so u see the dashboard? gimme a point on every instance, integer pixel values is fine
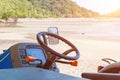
(20, 51)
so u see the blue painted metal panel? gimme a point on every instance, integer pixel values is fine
(30, 73)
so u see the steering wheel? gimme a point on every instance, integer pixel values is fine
(63, 55)
(42, 40)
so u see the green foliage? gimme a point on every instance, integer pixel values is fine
(42, 9)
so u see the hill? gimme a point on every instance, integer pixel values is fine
(42, 9)
(62, 8)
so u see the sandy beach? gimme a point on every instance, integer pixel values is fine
(101, 39)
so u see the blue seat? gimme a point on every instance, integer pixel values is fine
(5, 60)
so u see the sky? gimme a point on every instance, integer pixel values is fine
(101, 6)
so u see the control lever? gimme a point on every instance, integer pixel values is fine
(32, 59)
(73, 63)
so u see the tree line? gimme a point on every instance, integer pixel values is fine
(42, 9)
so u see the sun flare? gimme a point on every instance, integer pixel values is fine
(101, 6)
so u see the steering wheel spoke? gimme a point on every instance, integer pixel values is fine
(68, 51)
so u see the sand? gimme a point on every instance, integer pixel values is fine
(95, 39)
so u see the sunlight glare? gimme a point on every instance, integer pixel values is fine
(101, 6)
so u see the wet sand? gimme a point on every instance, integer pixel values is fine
(95, 39)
